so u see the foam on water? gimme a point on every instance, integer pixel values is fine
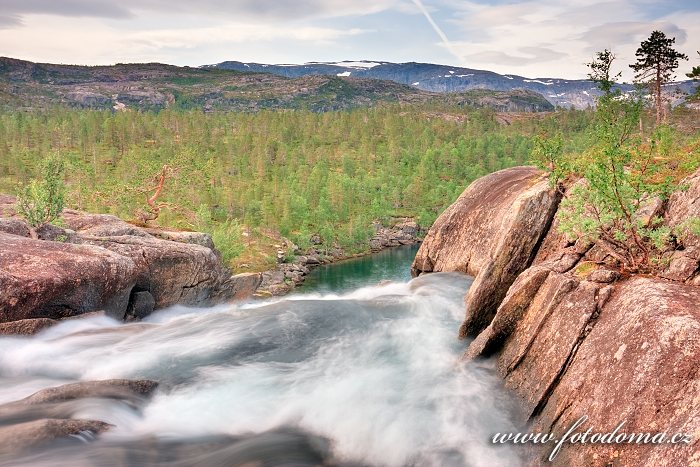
(374, 372)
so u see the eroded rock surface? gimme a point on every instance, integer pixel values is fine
(102, 263)
(491, 232)
(41, 279)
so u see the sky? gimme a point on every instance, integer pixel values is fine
(537, 38)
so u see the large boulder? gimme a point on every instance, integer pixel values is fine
(172, 272)
(42, 279)
(104, 263)
(572, 336)
(569, 347)
(490, 232)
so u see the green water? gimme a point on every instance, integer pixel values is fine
(392, 264)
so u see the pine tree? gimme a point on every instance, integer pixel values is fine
(656, 61)
(695, 75)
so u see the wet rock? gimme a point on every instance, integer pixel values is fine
(509, 313)
(568, 344)
(109, 388)
(60, 402)
(490, 232)
(25, 436)
(26, 327)
(279, 289)
(96, 263)
(244, 285)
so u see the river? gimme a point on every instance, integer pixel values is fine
(345, 372)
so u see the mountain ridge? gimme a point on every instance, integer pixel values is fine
(153, 86)
(579, 93)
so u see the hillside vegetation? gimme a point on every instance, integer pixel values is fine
(296, 172)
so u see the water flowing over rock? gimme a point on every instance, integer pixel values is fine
(24, 424)
(15, 439)
(490, 232)
(573, 337)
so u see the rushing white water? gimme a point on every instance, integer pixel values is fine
(371, 377)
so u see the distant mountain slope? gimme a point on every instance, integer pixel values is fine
(443, 78)
(26, 84)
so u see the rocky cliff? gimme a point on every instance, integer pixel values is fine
(101, 263)
(570, 336)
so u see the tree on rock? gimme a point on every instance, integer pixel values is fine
(41, 201)
(656, 61)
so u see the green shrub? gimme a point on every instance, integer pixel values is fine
(42, 200)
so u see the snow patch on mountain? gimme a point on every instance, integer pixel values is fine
(537, 81)
(349, 64)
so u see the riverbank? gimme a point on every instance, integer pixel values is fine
(288, 275)
(98, 262)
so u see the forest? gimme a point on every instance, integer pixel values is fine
(238, 175)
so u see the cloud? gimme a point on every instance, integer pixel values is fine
(75, 8)
(628, 32)
(108, 43)
(443, 37)
(552, 38)
(534, 38)
(249, 9)
(529, 55)
(9, 22)
(235, 33)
